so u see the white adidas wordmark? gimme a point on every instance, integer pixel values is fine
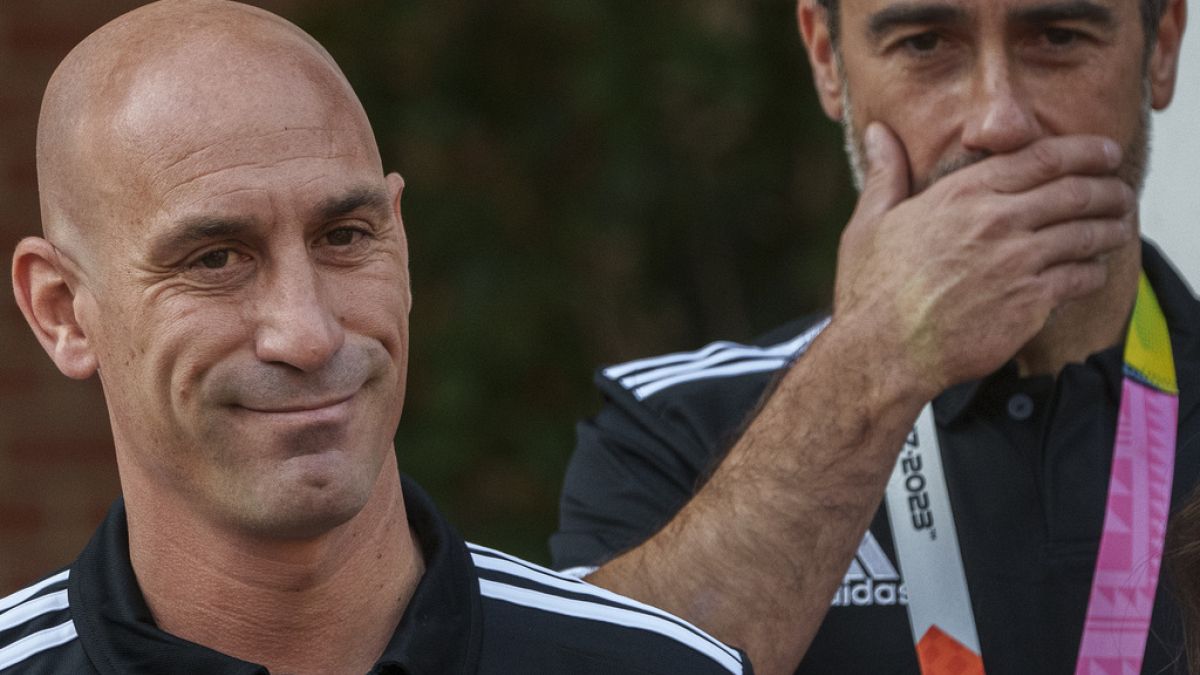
(871, 580)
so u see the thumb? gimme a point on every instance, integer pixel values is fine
(886, 183)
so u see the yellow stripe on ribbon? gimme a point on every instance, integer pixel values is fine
(1148, 347)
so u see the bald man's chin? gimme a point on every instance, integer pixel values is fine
(306, 496)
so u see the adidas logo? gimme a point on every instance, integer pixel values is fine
(871, 580)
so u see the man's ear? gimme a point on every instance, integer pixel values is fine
(46, 295)
(395, 183)
(1164, 60)
(822, 56)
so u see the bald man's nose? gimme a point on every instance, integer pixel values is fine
(999, 113)
(297, 325)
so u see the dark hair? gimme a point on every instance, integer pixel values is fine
(1181, 567)
(1151, 11)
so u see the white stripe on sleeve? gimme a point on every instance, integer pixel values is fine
(28, 611)
(762, 365)
(615, 372)
(784, 350)
(35, 643)
(26, 593)
(608, 614)
(519, 568)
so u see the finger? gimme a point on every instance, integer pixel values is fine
(1070, 198)
(1079, 241)
(886, 183)
(1073, 280)
(1049, 158)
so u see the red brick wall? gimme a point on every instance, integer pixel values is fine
(57, 474)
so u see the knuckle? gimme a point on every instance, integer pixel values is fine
(1128, 196)
(1077, 194)
(993, 221)
(1046, 161)
(1086, 240)
(955, 188)
(1081, 279)
(1119, 197)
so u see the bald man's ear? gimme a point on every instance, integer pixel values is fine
(395, 183)
(47, 299)
(822, 56)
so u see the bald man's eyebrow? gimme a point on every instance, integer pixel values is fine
(190, 231)
(370, 199)
(193, 230)
(913, 14)
(1072, 10)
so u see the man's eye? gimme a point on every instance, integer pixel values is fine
(923, 43)
(1061, 37)
(343, 236)
(215, 260)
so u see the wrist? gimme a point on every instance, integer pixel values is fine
(868, 353)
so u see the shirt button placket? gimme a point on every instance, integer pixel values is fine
(1020, 407)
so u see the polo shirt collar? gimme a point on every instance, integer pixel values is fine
(440, 631)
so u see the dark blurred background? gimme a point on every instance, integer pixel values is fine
(588, 181)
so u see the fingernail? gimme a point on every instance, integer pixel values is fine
(871, 141)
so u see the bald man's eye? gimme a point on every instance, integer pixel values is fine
(349, 242)
(215, 260)
(217, 264)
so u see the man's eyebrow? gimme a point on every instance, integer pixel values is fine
(197, 229)
(913, 14)
(192, 230)
(371, 199)
(1070, 10)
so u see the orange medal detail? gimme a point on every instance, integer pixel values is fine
(941, 654)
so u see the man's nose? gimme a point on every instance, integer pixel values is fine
(297, 325)
(1000, 114)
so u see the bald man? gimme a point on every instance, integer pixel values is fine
(223, 249)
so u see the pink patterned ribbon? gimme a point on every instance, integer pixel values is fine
(1131, 545)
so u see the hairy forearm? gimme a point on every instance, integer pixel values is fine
(792, 500)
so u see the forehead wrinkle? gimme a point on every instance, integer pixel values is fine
(197, 165)
(191, 207)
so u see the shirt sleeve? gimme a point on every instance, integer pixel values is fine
(666, 424)
(622, 484)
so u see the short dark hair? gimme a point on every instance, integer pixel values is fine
(1151, 10)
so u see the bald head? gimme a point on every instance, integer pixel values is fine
(133, 104)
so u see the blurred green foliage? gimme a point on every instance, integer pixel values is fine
(588, 181)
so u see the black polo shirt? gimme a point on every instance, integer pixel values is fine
(1027, 462)
(475, 610)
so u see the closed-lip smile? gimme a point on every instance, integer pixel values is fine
(298, 407)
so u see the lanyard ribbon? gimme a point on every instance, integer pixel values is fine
(1131, 545)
